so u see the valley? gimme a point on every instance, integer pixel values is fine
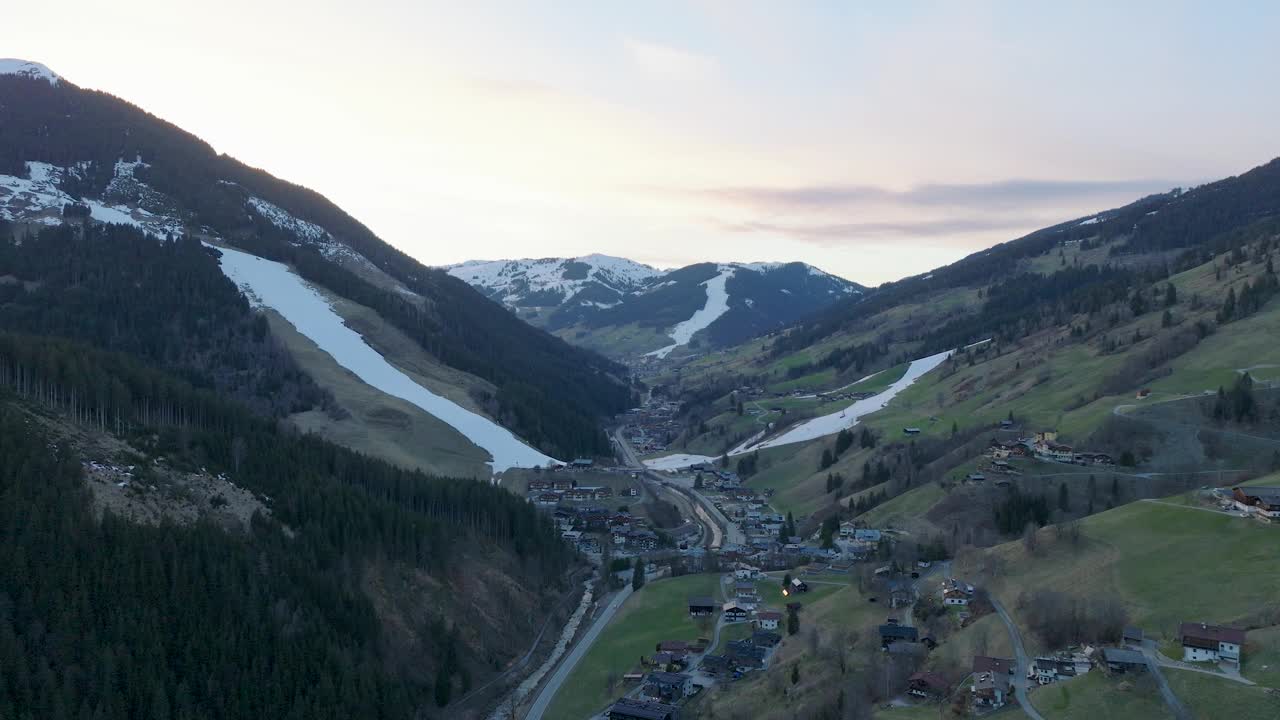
(257, 461)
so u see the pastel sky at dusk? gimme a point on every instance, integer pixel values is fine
(874, 140)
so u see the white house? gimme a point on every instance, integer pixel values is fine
(955, 597)
(768, 620)
(1210, 643)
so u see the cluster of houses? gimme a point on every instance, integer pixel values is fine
(715, 478)
(992, 679)
(652, 427)
(588, 526)
(549, 492)
(1043, 445)
(630, 709)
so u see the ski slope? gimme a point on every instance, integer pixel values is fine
(271, 284)
(717, 304)
(820, 426)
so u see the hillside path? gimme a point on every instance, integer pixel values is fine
(1190, 507)
(1020, 655)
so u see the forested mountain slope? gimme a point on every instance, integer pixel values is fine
(99, 157)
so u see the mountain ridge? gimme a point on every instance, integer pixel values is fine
(587, 299)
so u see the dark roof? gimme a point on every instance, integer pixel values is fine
(702, 602)
(898, 631)
(1133, 632)
(1215, 633)
(982, 663)
(668, 678)
(931, 679)
(769, 615)
(642, 710)
(1121, 655)
(764, 637)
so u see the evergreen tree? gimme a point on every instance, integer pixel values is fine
(637, 575)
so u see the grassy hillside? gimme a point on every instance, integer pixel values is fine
(1167, 564)
(659, 611)
(1098, 697)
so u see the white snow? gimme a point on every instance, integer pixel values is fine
(825, 425)
(1090, 221)
(14, 66)
(847, 418)
(717, 304)
(111, 214)
(271, 284)
(676, 462)
(514, 278)
(34, 199)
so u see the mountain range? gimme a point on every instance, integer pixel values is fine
(628, 310)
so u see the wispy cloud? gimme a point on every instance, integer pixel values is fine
(998, 195)
(959, 230)
(666, 60)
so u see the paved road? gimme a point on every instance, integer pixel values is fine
(1170, 699)
(713, 530)
(1166, 661)
(571, 660)
(1193, 507)
(1020, 654)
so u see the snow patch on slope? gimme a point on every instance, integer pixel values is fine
(271, 284)
(36, 198)
(510, 279)
(820, 426)
(26, 68)
(717, 305)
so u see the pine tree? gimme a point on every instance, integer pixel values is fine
(637, 575)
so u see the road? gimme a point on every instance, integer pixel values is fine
(579, 650)
(1020, 654)
(1170, 699)
(691, 502)
(1192, 507)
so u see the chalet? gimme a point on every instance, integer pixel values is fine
(580, 494)
(1120, 660)
(929, 685)
(765, 639)
(798, 586)
(733, 612)
(664, 660)
(539, 485)
(678, 648)
(1000, 667)
(988, 691)
(768, 620)
(1056, 452)
(629, 709)
(745, 589)
(901, 593)
(746, 573)
(668, 686)
(548, 499)
(890, 634)
(1210, 643)
(715, 665)
(866, 535)
(563, 484)
(955, 597)
(643, 540)
(1052, 668)
(975, 478)
(747, 602)
(746, 649)
(911, 431)
(1265, 501)
(701, 606)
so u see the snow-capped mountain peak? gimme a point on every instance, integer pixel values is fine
(724, 302)
(26, 68)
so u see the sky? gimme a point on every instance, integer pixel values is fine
(873, 140)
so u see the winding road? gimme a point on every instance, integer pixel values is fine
(1020, 654)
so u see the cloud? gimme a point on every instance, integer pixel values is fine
(666, 60)
(960, 231)
(998, 195)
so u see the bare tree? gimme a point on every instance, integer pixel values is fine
(1030, 540)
